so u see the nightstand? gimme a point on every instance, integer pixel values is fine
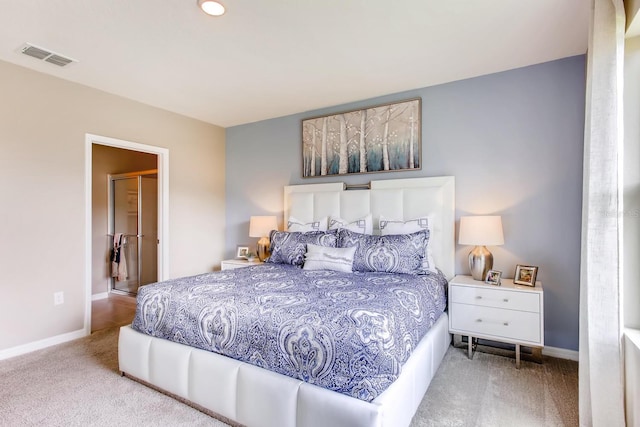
(230, 264)
(508, 313)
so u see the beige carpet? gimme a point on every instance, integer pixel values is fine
(78, 384)
(489, 391)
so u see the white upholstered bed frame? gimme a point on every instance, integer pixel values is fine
(253, 396)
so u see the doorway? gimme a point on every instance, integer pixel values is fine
(133, 230)
(98, 224)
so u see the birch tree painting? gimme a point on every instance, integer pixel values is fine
(377, 139)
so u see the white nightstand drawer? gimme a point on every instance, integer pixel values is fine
(487, 321)
(495, 297)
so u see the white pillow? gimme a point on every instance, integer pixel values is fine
(325, 258)
(390, 226)
(362, 225)
(293, 225)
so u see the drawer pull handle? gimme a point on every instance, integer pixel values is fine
(478, 297)
(478, 320)
(506, 323)
(506, 300)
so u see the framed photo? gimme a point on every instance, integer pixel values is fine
(242, 252)
(381, 138)
(493, 277)
(525, 275)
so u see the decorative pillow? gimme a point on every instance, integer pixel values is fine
(293, 225)
(363, 225)
(324, 258)
(390, 227)
(401, 253)
(289, 248)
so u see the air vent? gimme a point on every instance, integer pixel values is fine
(46, 55)
(59, 60)
(35, 52)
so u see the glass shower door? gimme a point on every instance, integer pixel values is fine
(125, 224)
(148, 214)
(134, 262)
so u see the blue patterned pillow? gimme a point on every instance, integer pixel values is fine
(290, 247)
(388, 254)
(390, 226)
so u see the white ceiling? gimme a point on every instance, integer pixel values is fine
(270, 58)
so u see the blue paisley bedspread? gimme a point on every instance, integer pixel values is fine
(346, 332)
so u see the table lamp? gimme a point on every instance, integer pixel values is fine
(261, 226)
(480, 231)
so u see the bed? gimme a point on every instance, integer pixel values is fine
(251, 395)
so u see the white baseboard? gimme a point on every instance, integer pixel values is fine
(561, 353)
(103, 295)
(38, 345)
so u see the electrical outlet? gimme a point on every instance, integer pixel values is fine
(58, 298)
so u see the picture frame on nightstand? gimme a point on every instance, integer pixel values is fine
(525, 275)
(493, 277)
(242, 252)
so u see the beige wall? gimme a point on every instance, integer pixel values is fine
(108, 160)
(43, 122)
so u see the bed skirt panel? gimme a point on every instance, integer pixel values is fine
(256, 397)
(402, 398)
(212, 383)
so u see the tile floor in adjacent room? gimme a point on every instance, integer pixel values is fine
(116, 310)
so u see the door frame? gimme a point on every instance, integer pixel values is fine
(163, 209)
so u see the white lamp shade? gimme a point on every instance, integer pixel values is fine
(481, 231)
(261, 226)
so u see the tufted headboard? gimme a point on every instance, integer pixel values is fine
(399, 199)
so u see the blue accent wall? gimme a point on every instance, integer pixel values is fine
(513, 140)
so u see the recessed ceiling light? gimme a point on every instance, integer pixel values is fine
(210, 7)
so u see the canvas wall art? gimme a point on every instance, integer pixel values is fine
(382, 138)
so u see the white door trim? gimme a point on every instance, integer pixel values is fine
(163, 209)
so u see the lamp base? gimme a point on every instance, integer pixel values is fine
(262, 248)
(480, 262)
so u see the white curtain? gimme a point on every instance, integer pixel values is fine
(601, 366)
